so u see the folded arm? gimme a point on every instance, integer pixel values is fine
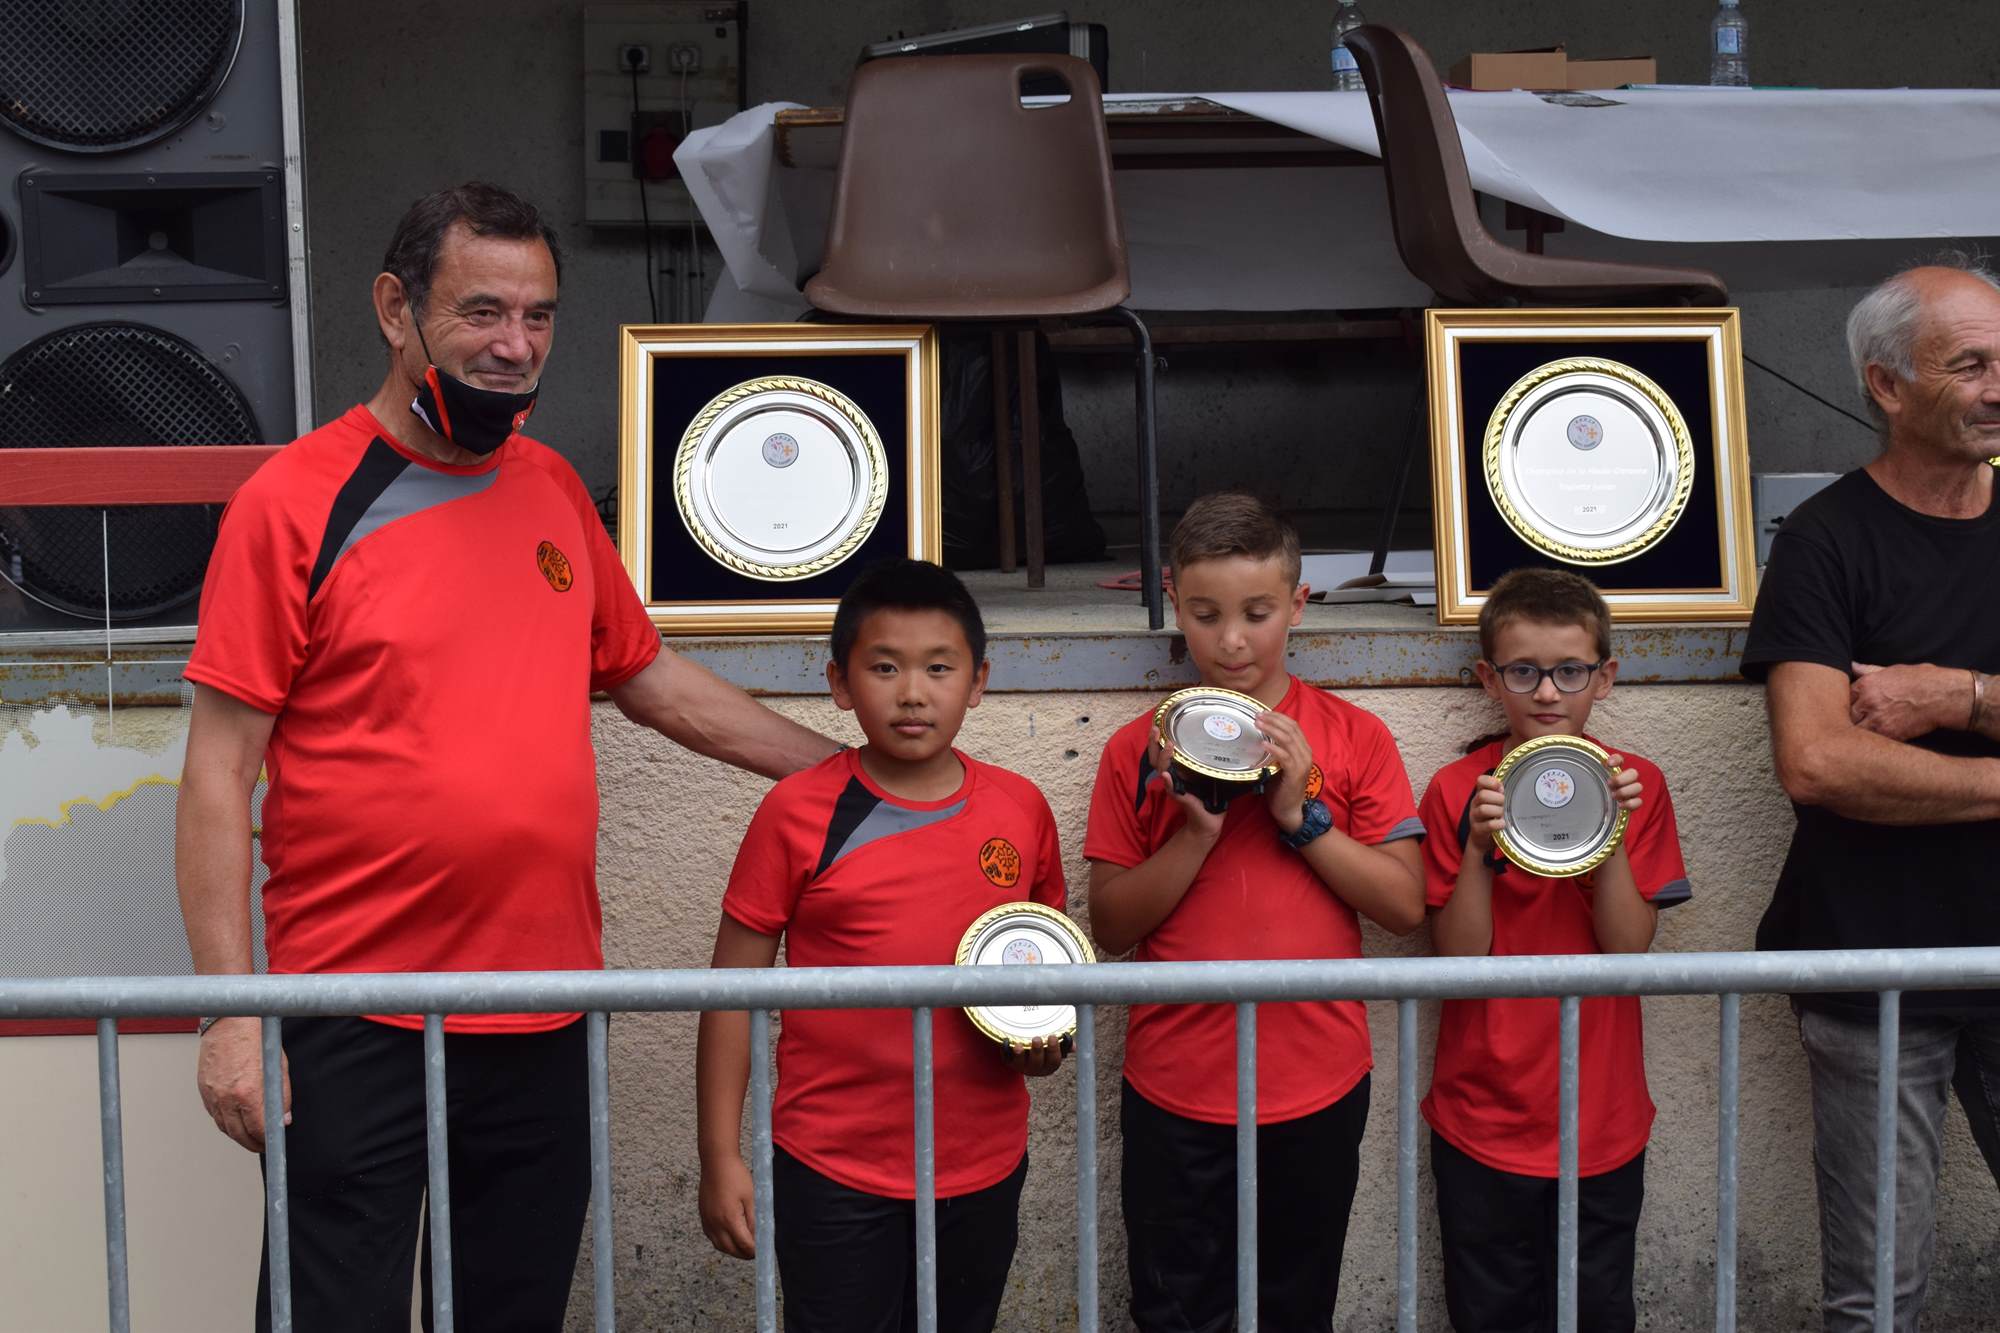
(1824, 758)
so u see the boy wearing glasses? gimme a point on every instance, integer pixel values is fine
(1493, 1108)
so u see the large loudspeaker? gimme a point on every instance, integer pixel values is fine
(146, 276)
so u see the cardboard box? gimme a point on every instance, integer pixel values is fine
(1612, 72)
(1497, 71)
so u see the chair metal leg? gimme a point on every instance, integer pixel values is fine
(1412, 434)
(1003, 459)
(1027, 375)
(1149, 469)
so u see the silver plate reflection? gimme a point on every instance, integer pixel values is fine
(781, 479)
(1589, 461)
(1557, 805)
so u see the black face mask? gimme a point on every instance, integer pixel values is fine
(476, 420)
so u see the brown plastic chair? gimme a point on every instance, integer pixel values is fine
(1446, 246)
(953, 201)
(1436, 219)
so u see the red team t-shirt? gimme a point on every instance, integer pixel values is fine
(852, 876)
(1253, 898)
(1495, 1091)
(427, 637)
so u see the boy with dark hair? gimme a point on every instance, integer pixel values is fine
(1545, 644)
(1276, 876)
(881, 855)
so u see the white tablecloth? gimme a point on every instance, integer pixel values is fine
(1773, 188)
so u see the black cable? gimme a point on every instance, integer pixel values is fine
(1858, 420)
(645, 217)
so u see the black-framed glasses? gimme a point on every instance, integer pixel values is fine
(1526, 677)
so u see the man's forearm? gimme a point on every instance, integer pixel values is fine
(692, 706)
(1864, 776)
(212, 871)
(721, 1075)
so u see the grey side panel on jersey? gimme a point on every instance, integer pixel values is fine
(415, 490)
(886, 820)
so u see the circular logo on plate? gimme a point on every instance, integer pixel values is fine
(1222, 728)
(1554, 787)
(1000, 863)
(1586, 432)
(1021, 951)
(780, 450)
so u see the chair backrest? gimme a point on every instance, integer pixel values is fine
(1431, 203)
(954, 200)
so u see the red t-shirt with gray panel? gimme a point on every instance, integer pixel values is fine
(427, 638)
(851, 876)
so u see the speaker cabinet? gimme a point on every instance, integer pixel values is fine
(146, 277)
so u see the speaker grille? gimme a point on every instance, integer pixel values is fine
(92, 76)
(114, 384)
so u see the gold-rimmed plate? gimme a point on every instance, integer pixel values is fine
(1588, 460)
(780, 478)
(1023, 933)
(1561, 815)
(1218, 750)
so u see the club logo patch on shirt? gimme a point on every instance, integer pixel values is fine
(1315, 783)
(1000, 863)
(555, 567)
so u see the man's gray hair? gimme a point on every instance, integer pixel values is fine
(1882, 328)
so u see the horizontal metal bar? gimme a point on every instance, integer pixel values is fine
(941, 987)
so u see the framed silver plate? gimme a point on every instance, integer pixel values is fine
(781, 478)
(1588, 460)
(1016, 933)
(1218, 752)
(1560, 814)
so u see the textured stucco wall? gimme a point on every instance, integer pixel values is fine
(670, 829)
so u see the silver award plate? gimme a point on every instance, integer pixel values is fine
(781, 478)
(1218, 752)
(1560, 815)
(1016, 933)
(1588, 461)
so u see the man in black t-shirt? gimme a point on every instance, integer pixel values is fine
(1878, 638)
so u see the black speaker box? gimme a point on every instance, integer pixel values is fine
(144, 288)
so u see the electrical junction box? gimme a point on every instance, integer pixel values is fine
(684, 61)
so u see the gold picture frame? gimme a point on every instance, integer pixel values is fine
(1662, 522)
(875, 388)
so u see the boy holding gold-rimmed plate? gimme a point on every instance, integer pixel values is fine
(1545, 658)
(1284, 872)
(883, 854)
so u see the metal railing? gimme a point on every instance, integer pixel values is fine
(922, 989)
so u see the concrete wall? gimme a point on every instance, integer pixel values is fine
(402, 98)
(670, 830)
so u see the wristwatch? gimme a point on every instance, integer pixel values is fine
(1315, 820)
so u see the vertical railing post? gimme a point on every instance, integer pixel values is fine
(436, 1144)
(277, 1207)
(112, 1124)
(1086, 1169)
(1406, 1166)
(760, 1170)
(1889, 1024)
(1246, 1168)
(1728, 1083)
(927, 1274)
(1566, 1186)
(603, 1264)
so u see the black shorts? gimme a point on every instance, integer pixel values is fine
(1178, 1181)
(1499, 1236)
(848, 1259)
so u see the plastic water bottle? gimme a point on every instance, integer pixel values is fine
(1728, 45)
(1346, 74)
